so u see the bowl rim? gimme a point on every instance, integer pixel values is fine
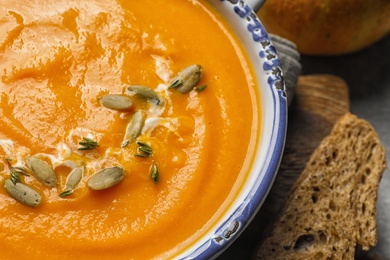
(264, 60)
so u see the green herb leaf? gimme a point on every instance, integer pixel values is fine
(16, 171)
(88, 144)
(66, 193)
(21, 170)
(125, 143)
(143, 144)
(176, 83)
(201, 88)
(15, 178)
(144, 150)
(142, 155)
(154, 173)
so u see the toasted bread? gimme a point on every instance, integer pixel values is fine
(332, 207)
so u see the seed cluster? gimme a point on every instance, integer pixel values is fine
(185, 81)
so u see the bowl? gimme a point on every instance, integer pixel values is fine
(166, 172)
(263, 56)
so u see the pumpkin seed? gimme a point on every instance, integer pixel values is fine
(188, 78)
(42, 171)
(23, 193)
(116, 102)
(106, 178)
(73, 178)
(133, 129)
(147, 93)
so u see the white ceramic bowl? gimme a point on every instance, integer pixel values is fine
(273, 101)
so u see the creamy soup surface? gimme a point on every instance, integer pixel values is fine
(57, 60)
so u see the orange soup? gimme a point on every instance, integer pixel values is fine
(181, 170)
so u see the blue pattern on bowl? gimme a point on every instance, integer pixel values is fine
(234, 224)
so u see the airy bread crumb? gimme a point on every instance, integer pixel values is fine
(332, 206)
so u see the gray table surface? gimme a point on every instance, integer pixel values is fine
(367, 74)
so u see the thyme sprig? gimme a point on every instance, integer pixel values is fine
(16, 171)
(201, 88)
(66, 193)
(88, 144)
(144, 150)
(176, 83)
(154, 173)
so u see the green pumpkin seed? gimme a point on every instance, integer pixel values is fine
(42, 171)
(116, 102)
(187, 79)
(23, 193)
(133, 129)
(106, 178)
(147, 93)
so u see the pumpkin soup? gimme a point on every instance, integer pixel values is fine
(126, 127)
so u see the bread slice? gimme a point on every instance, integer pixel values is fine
(332, 206)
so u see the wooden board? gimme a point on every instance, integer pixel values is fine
(319, 101)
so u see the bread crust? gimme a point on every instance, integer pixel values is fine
(332, 206)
